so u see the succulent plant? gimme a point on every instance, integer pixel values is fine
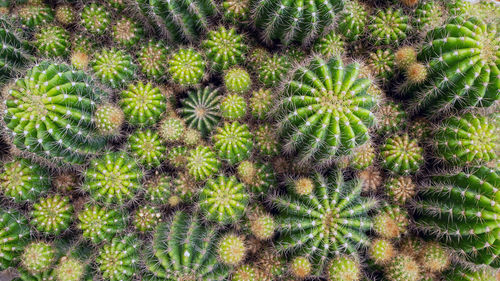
(147, 148)
(330, 45)
(332, 218)
(177, 156)
(257, 56)
(245, 273)
(69, 269)
(466, 274)
(38, 256)
(52, 215)
(405, 56)
(237, 80)
(389, 26)
(344, 268)
(224, 48)
(53, 41)
(34, 15)
(271, 70)
(291, 22)
(143, 104)
(14, 54)
(381, 63)
(402, 268)
(23, 180)
(126, 32)
(109, 119)
(171, 129)
(191, 137)
(146, 218)
(257, 177)
(261, 223)
(153, 58)
(118, 259)
(202, 163)
(325, 111)
(391, 117)
(381, 251)
(113, 67)
(231, 249)
(301, 267)
(429, 15)
(460, 210)
(195, 246)
(434, 257)
(65, 14)
(401, 189)
(200, 109)
(467, 140)
(391, 221)
(95, 18)
(261, 103)
(223, 199)
(363, 156)
(233, 142)
(59, 115)
(14, 234)
(353, 20)
(100, 223)
(113, 178)
(236, 10)
(159, 190)
(371, 179)
(186, 67)
(401, 155)
(266, 141)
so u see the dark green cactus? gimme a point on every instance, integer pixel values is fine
(14, 52)
(388, 26)
(353, 20)
(381, 63)
(330, 45)
(429, 15)
(200, 109)
(14, 235)
(271, 70)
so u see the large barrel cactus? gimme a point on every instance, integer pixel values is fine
(14, 52)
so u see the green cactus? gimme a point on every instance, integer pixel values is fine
(202, 163)
(353, 20)
(344, 268)
(64, 14)
(153, 58)
(381, 63)
(191, 137)
(391, 117)
(429, 15)
(388, 26)
(332, 218)
(325, 111)
(53, 41)
(177, 156)
(401, 189)
(223, 199)
(95, 19)
(159, 190)
(113, 178)
(381, 251)
(434, 257)
(200, 109)
(38, 257)
(184, 249)
(245, 273)
(171, 129)
(70, 269)
(113, 67)
(14, 235)
(402, 268)
(224, 48)
(118, 259)
(405, 56)
(79, 60)
(271, 70)
(23, 180)
(233, 142)
(363, 156)
(100, 223)
(14, 54)
(466, 274)
(257, 56)
(34, 15)
(461, 210)
(237, 80)
(185, 187)
(126, 32)
(147, 148)
(109, 119)
(257, 177)
(186, 67)
(233, 107)
(143, 104)
(301, 267)
(57, 103)
(52, 215)
(232, 249)
(236, 10)
(146, 218)
(391, 222)
(266, 141)
(454, 82)
(467, 140)
(330, 45)
(261, 103)
(401, 155)
(294, 22)
(261, 223)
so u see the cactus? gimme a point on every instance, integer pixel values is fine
(388, 26)
(79, 60)
(146, 218)
(109, 119)
(59, 103)
(233, 107)
(237, 80)
(200, 109)
(344, 268)
(402, 268)
(202, 163)
(143, 104)
(14, 54)
(461, 210)
(100, 223)
(262, 224)
(22, 180)
(434, 257)
(64, 14)
(400, 189)
(236, 10)
(171, 129)
(266, 141)
(159, 190)
(391, 117)
(95, 19)
(257, 56)
(330, 45)
(381, 63)
(232, 249)
(233, 142)
(70, 269)
(153, 59)
(401, 155)
(186, 67)
(52, 215)
(371, 179)
(363, 156)
(353, 20)
(416, 73)
(455, 82)
(317, 224)
(429, 15)
(223, 199)
(381, 251)
(301, 267)
(177, 156)
(465, 274)
(35, 15)
(118, 259)
(467, 140)
(271, 70)
(315, 101)
(126, 32)
(261, 103)
(191, 137)
(113, 67)
(391, 222)
(224, 48)
(113, 178)
(38, 257)
(147, 148)
(258, 178)
(290, 22)
(14, 234)
(53, 41)
(185, 187)
(245, 273)
(194, 246)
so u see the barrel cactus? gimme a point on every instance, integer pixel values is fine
(53, 41)
(109, 119)
(22, 180)
(200, 109)
(353, 20)
(224, 48)
(147, 148)
(233, 107)
(126, 32)
(237, 80)
(14, 54)
(52, 214)
(152, 59)
(202, 163)
(95, 18)
(113, 67)
(14, 234)
(388, 26)
(344, 268)
(186, 67)
(38, 257)
(401, 155)
(34, 15)
(118, 259)
(100, 223)
(233, 142)
(272, 69)
(143, 104)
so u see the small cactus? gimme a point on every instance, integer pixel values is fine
(434, 257)
(261, 103)
(330, 45)
(300, 267)
(177, 156)
(233, 107)
(232, 249)
(236, 10)
(401, 155)
(233, 142)
(388, 26)
(262, 224)
(159, 190)
(38, 257)
(344, 268)
(391, 222)
(401, 189)
(118, 259)
(429, 15)
(381, 63)
(405, 56)
(258, 178)
(95, 19)
(245, 273)
(14, 234)
(200, 109)
(363, 156)
(266, 141)
(171, 129)
(371, 179)
(100, 223)
(391, 117)
(271, 70)
(237, 80)
(353, 20)
(53, 41)
(146, 218)
(186, 67)
(224, 48)
(52, 215)
(147, 148)
(22, 180)
(64, 14)
(152, 59)
(402, 268)
(381, 251)
(143, 104)
(202, 163)
(113, 67)
(126, 32)
(34, 15)
(70, 269)
(109, 119)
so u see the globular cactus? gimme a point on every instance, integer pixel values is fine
(147, 148)
(100, 223)
(14, 54)
(391, 117)
(233, 142)
(261, 223)
(52, 214)
(114, 178)
(161, 190)
(70, 269)
(177, 156)
(402, 268)
(195, 248)
(186, 67)
(271, 70)
(186, 187)
(237, 80)
(466, 274)
(330, 45)
(381, 63)
(325, 111)
(429, 15)
(95, 19)
(126, 32)
(109, 119)
(34, 15)
(38, 257)
(391, 222)
(344, 268)
(388, 26)
(118, 259)
(294, 22)
(202, 163)
(401, 189)
(245, 273)
(266, 141)
(353, 20)
(153, 58)
(65, 14)
(455, 82)
(261, 103)
(224, 48)
(318, 223)
(461, 211)
(171, 129)
(146, 218)
(232, 249)
(381, 251)
(257, 56)
(258, 177)
(14, 234)
(301, 267)
(143, 104)
(53, 41)
(223, 199)
(200, 109)
(113, 67)
(57, 104)
(363, 156)
(371, 179)
(467, 140)
(401, 155)
(233, 107)
(434, 257)
(236, 10)
(22, 180)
